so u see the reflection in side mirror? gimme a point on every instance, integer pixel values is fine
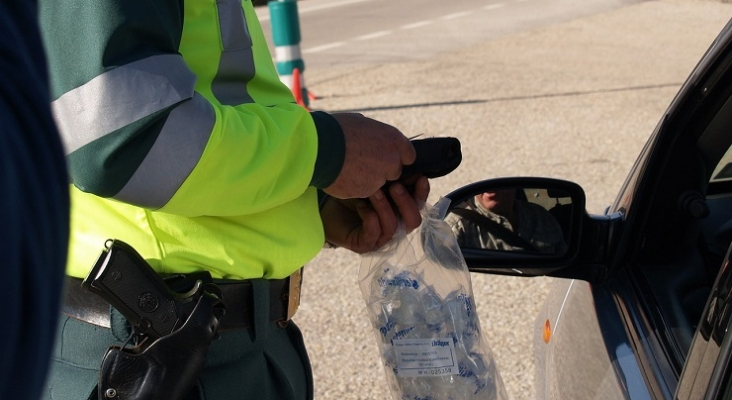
(516, 219)
(522, 225)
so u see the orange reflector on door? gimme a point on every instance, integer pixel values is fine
(547, 334)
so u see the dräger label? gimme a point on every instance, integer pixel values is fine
(425, 357)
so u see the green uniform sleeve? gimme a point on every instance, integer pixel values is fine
(177, 108)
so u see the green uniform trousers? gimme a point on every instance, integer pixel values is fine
(260, 363)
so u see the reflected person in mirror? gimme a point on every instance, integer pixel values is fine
(502, 220)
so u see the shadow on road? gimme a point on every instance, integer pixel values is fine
(510, 98)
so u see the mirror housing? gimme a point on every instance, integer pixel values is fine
(540, 234)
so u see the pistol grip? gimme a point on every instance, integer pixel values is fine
(122, 277)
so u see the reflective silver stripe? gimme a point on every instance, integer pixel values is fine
(171, 159)
(236, 67)
(121, 96)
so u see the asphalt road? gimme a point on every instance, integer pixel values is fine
(350, 33)
(572, 96)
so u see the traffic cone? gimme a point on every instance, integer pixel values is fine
(297, 89)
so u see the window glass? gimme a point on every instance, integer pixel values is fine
(723, 171)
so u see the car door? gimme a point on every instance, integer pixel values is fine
(626, 321)
(676, 207)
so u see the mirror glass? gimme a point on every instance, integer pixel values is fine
(533, 220)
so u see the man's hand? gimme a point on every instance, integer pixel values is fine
(363, 226)
(375, 154)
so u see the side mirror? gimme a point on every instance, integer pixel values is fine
(518, 226)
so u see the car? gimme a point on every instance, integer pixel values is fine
(643, 311)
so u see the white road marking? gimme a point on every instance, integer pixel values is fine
(416, 25)
(456, 15)
(374, 35)
(385, 33)
(494, 6)
(324, 47)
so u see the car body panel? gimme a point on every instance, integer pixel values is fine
(587, 371)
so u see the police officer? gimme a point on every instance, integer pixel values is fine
(182, 142)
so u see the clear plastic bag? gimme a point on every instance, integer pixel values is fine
(420, 303)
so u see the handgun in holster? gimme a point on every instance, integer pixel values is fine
(174, 319)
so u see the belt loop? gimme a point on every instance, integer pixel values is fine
(260, 311)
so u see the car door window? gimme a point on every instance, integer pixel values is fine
(723, 171)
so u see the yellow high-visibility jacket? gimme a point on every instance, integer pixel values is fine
(182, 141)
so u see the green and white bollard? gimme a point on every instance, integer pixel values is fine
(285, 25)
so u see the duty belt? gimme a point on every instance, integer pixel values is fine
(284, 301)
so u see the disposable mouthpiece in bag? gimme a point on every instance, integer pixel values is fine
(420, 303)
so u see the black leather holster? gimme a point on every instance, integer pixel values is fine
(168, 367)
